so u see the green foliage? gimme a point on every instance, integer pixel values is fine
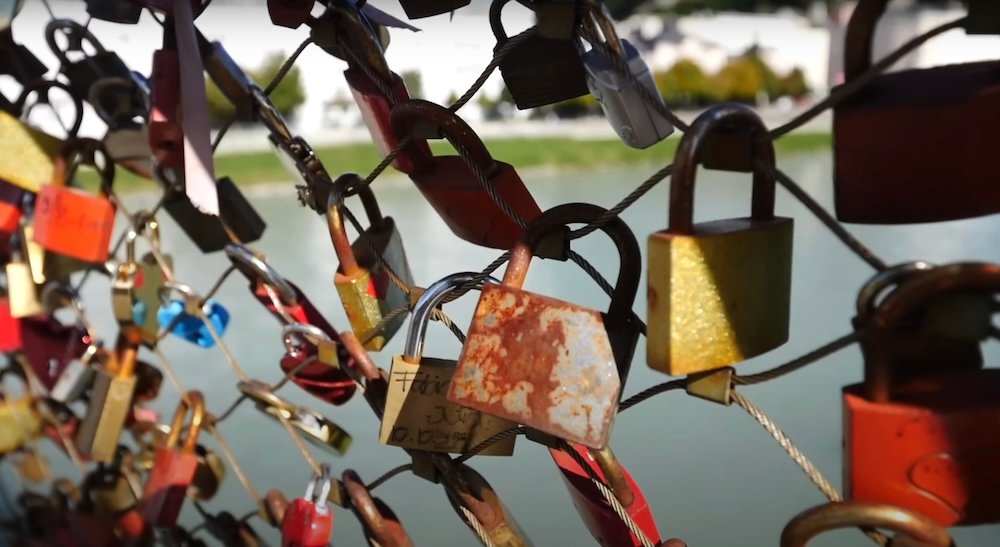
(794, 84)
(575, 108)
(685, 85)
(414, 82)
(770, 83)
(287, 97)
(740, 81)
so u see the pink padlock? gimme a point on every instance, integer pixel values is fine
(308, 520)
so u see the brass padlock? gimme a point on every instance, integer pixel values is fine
(123, 284)
(314, 427)
(719, 292)
(22, 292)
(417, 413)
(363, 284)
(27, 157)
(154, 272)
(115, 487)
(19, 421)
(110, 400)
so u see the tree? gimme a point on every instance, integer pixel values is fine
(414, 82)
(794, 84)
(685, 85)
(287, 97)
(740, 80)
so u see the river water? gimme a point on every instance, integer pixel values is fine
(712, 475)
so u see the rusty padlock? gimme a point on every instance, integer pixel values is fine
(549, 364)
(890, 164)
(913, 528)
(379, 523)
(175, 465)
(719, 292)
(451, 185)
(924, 442)
(70, 221)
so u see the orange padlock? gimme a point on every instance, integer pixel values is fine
(925, 442)
(70, 221)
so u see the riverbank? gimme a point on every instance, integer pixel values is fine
(554, 153)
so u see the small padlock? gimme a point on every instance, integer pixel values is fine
(151, 277)
(540, 70)
(308, 521)
(190, 318)
(122, 12)
(562, 364)
(10, 328)
(912, 528)
(70, 221)
(418, 9)
(922, 442)
(209, 233)
(719, 292)
(28, 154)
(323, 377)
(22, 292)
(315, 428)
(883, 148)
(379, 523)
(363, 284)
(112, 488)
(123, 284)
(601, 520)
(175, 466)
(451, 185)
(84, 72)
(110, 400)
(417, 413)
(636, 118)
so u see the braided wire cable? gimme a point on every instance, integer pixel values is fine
(476, 526)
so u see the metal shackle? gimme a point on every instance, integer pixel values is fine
(846, 514)
(194, 402)
(869, 293)
(413, 349)
(423, 119)
(43, 88)
(715, 120)
(256, 269)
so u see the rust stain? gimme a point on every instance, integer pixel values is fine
(541, 362)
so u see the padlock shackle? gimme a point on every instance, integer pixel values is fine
(364, 368)
(83, 151)
(848, 514)
(465, 487)
(560, 217)
(859, 37)
(118, 86)
(318, 489)
(194, 402)
(614, 474)
(358, 40)
(316, 428)
(338, 233)
(377, 520)
(256, 269)
(413, 348)
(409, 116)
(70, 28)
(911, 296)
(296, 335)
(42, 87)
(127, 351)
(496, 22)
(868, 295)
(601, 21)
(728, 116)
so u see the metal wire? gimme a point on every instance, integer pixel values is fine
(398, 470)
(799, 362)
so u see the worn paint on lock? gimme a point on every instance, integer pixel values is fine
(576, 398)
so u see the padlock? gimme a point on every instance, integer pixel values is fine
(191, 318)
(984, 18)
(20, 422)
(17, 60)
(379, 523)
(418, 9)
(322, 378)
(921, 346)
(563, 364)
(51, 347)
(637, 117)
(28, 154)
(166, 136)
(70, 221)
(31, 465)
(308, 521)
(469, 492)
(11, 198)
(912, 528)
(122, 12)
(719, 292)
(922, 442)
(417, 414)
(539, 70)
(601, 520)
(123, 284)
(363, 284)
(151, 277)
(208, 232)
(888, 166)
(39, 92)
(556, 19)
(10, 328)
(84, 72)
(314, 427)
(289, 13)
(110, 400)
(22, 291)
(175, 465)
(112, 488)
(208, 475)
(451, 186)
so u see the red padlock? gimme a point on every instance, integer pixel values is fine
(290, 13)
(10, 214)
(603, 523)
(451, 186)
(10, 328)
(166, 138)
(49, 346)
(925, 442)
(308, 521)
(70, 221)
(173, 469)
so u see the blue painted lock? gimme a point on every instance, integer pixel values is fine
(191, 327)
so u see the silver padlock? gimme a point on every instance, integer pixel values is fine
(631, 113)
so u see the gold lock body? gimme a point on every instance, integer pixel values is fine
(110, 406)
(26, 158)
(22, 293)
(19, 423)
(719, 295)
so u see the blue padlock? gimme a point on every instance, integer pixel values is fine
(190, 327)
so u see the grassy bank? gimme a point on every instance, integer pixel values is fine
(554, 152)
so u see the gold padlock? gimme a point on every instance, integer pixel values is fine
(22, 292)
(27, 155)
(363, 285)
(719, 292)
(19, 421)
(110, 400)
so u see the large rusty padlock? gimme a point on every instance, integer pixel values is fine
(549, 364)
(913, 528)
(450, 184)
(719, 292)
(364, 286)
(891, 165)
(925, 442)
